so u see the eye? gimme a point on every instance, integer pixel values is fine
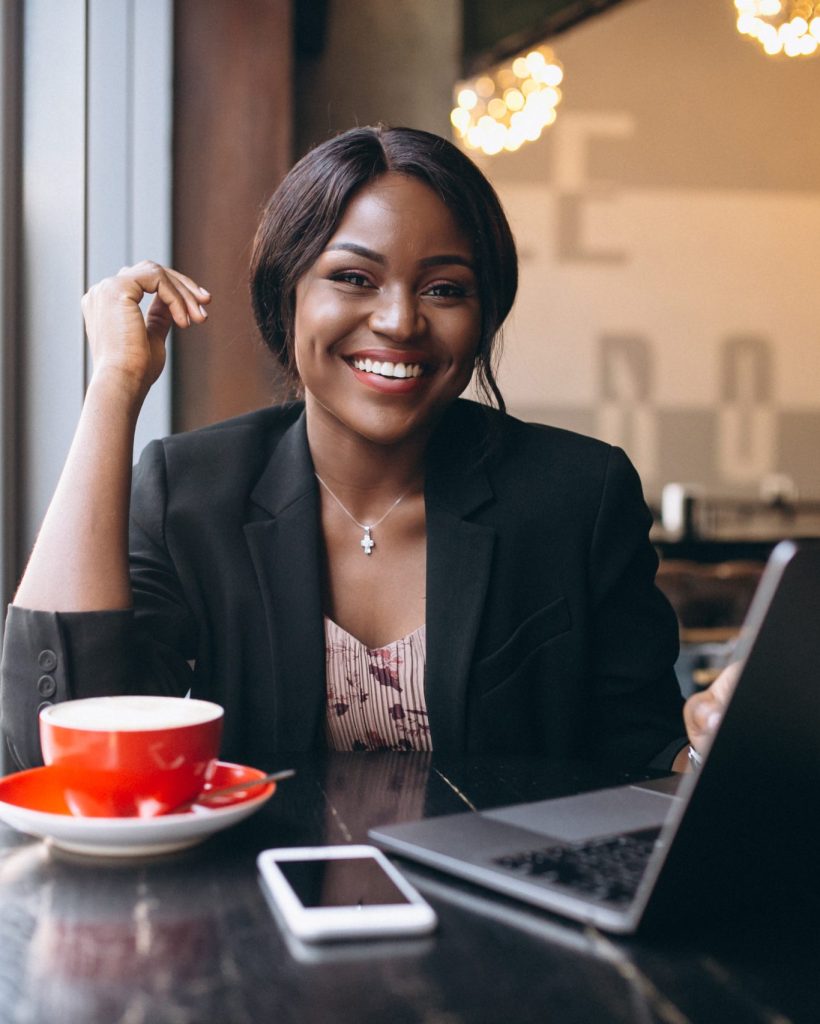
(351, 277)
(446, 290)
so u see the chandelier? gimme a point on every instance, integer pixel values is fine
(503, 109)
(790, 27)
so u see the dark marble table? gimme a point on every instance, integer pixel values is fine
(189, 938)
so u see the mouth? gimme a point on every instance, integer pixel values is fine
(387, 369)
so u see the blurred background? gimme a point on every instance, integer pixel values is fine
(659, 162)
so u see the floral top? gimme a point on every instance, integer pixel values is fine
(375, 698)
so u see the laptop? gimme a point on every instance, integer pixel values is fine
(739, 833)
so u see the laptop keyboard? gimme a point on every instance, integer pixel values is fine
(608, 869)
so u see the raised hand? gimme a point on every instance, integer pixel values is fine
(80, 558)
(126, 343)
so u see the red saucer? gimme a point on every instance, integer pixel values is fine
(35, 789)
(33, 803)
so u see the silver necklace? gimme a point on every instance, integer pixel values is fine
(367, 541)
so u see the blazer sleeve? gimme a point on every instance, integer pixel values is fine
(638, 706)
(53, 656)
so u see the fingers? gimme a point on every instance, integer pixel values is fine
(196, 297)
(158, 319)
(125, 342)
(704, 711)
(184, 299)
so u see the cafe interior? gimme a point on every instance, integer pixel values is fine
(660, 166)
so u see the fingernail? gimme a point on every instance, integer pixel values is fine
(203, 311)
(713, 721)
(204, 291)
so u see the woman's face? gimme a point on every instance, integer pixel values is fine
(388, 318)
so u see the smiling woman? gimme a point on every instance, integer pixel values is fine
(381, 564)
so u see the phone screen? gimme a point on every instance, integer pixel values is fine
(342, 882)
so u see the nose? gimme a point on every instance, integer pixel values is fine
(396, 315)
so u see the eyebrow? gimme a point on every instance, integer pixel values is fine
(429, 261)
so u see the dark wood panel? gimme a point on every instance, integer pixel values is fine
(494, 32)
(232, 145)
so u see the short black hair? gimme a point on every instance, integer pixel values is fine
(304, 211)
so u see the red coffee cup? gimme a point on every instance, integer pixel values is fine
(131, 756)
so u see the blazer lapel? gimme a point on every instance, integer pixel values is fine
(287, 558)
(284, 543)
(459, 558)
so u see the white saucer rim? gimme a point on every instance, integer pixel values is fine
(199, 814)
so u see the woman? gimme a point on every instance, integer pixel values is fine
(273, 561)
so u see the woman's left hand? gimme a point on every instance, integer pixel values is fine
(703, 711)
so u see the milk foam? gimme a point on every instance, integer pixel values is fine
(131, 713)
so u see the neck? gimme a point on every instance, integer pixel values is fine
(363, 473)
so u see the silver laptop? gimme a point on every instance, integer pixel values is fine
(738, 833)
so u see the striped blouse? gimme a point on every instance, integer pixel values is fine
(375, 698)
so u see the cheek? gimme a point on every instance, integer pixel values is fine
(305, 331)
(469, 340)
(310, 343)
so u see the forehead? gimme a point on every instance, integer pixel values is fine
(396, 210)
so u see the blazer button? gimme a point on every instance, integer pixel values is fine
(45, 704)
(47, 660)
(46, 686)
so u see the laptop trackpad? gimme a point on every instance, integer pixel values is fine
(600, 813)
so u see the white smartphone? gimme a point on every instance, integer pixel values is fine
(324, 893)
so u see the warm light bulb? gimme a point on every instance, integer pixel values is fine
(485, 86)
(535, 61)
(770, 38)
(514, 99)
(553, 74)
(508, 106)
(795, 32)
(460, 118)
(552, 96)
(467, 99)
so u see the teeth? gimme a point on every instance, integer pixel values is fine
(388, 369)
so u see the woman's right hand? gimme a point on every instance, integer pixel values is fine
(122, 341)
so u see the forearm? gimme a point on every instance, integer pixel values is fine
(80, 558)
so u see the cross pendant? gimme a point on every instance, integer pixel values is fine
(367, 541)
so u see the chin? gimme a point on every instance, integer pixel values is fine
(394, 426)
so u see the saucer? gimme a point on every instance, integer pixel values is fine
(31, 802)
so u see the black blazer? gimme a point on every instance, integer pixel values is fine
(545, 632)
